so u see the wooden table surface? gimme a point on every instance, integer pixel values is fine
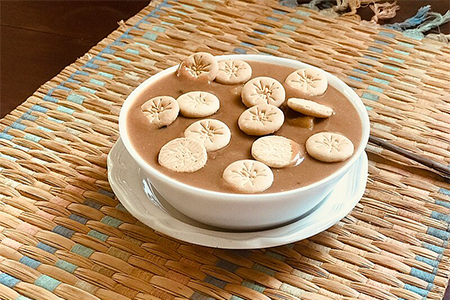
(40, 38)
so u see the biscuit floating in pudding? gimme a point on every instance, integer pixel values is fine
(233, 71)
(198, 104)
(213, 134)
(329, 147)
(308, 81)
(183, 155)
(160, 111)
(199, 65)
(277, 151)
(248, 176)
(261, 119)
(263, 90)
(310, 108)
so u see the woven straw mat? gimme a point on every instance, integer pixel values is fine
(64, 235)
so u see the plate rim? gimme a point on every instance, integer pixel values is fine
(167, 224)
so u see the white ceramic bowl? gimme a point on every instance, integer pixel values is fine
(238, 211)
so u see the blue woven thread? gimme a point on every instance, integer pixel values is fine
(259, 32)
(440, 216)
(32, 137)
(123, 59)
(385, 33)
(150, 36)
(391, 67)
(105, 192)
(433, 248)
(445, 192)
(253, 286)
(44, 128)
(39, 108)
(82, 250)
(360, 71)
(443, 235)
(93, 204)
(275, 255)
(78, 218)
(266, 270)
(223, 264)
(6, 136)
(27, 116)
(55, 120)
(76, 98)
(370, 96)
(87, 90)
(64, 231)
(32, 263)
(25, 149)
(111, 221)
(295, 20)
(46, 247)
(65, 110)
(416, 290)
(198, 296)
(8, 157)
(355, 78)
(22, 298)
(98, 235)
(375, 89)
(65, 265)
(401, 52)
(8, 280)
(240, 50)
(47, 282)
(431, 262)
(73, 81)
(245, 44)
(381, 42)
(396, 59)
(386, 74)
(107, 75)
(428, 277)
(62, 87)
(83, 73)
(382, 81)
(17, 125)
(375, 49)
(216, 282)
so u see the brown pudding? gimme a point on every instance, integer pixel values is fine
(148, 140)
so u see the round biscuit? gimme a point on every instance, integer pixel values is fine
(310, 108)
(248, 176)
(161, 111)
(261, 119)
(183, 155)
(309, 81)
(213, 134)
(329, 147)
(200, 65)
(263, 90)
(233, 71)
(277, 151)
(198, 104)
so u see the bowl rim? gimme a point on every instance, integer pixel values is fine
(332, 80)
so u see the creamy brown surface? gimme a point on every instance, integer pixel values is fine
(148, 140)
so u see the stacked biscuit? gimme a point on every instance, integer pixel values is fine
(262, 96)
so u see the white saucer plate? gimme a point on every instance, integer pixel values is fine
(144, 203)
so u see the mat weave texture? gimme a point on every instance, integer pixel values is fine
(64, 235)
